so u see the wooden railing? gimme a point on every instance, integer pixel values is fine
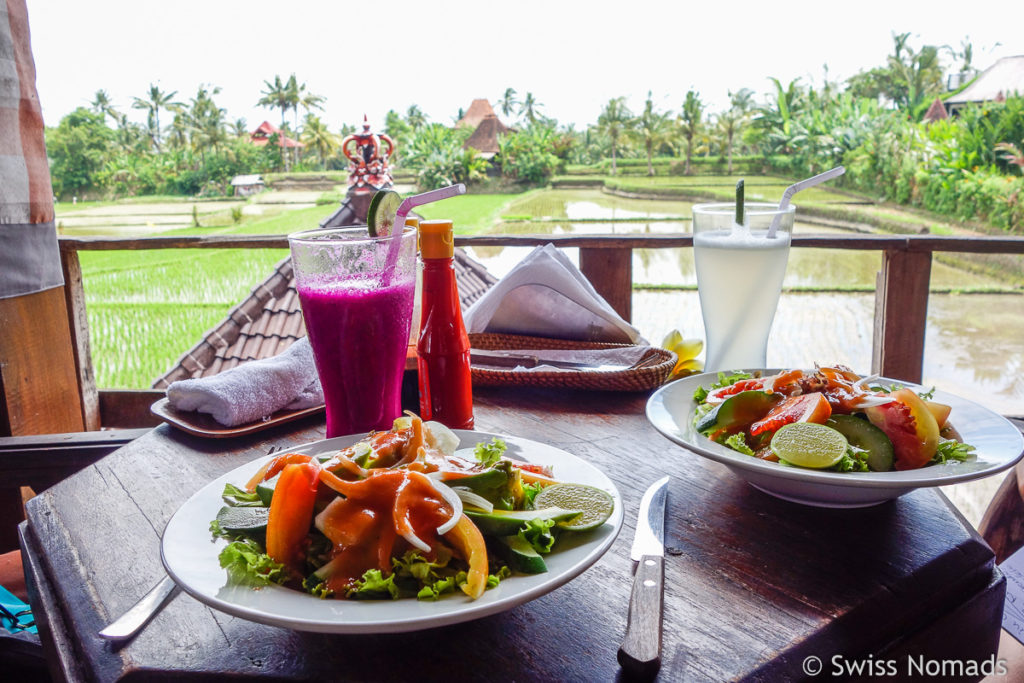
(901, 295)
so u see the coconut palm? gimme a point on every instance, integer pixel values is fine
(732, 121)
(415, 117)
(615, 121)
(653, 128)
(508, 102)
(156, 101)
(317, 137)
(300, 97)
(239, 129)
(530, 108)
(277, 95)
(101, 104)
(690, 120)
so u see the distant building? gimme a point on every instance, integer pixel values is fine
(478, 111)
(485, 138)
(995, 84)
(246, 185)
(266, 130)
(936, 112)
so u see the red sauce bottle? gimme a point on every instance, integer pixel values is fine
(446, 392)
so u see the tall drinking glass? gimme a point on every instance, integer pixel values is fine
(739, 278)
(356, 293)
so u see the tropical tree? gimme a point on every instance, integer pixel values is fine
(78, 149)
(615, 121)
(318, 138)
(277, 95)
(508, 102)
(239, 129)
(415, 117)
(732, 121)
(156, 100)
(653, 128)
(690, 120)
(909, 79)
(101, 104)
(530, 108)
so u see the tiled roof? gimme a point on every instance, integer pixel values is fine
(269, 320)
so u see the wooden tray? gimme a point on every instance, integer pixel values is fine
(202, 424)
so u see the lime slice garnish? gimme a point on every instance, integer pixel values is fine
(380, 216)
(809, 444)
(596, 504)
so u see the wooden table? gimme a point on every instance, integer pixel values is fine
(755, 585)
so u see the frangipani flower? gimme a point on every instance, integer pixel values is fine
(687, 350)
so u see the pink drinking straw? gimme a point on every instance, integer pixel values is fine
(793, 189)
(407, 205)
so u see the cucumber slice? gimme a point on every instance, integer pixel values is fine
(521, 556)
(265, 489)
(866, 436)
(507, 522)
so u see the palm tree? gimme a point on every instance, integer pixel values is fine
(157, 100)
(615, 121)
(277, 95)
(530, 108)
(508, 102)
(318, 138)
(239, 129)
(653, 128)
(300, 97)
(690, 118)
(732, 121)
(101, 104)
(415, 117)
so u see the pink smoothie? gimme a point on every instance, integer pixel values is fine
(359, 332)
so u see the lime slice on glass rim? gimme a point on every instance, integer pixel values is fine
(380, 216)
(809, 444)
(595, 504)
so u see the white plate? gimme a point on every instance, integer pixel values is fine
(999, 445)
(190, 557)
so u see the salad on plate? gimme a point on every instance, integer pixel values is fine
(400, 513)
(828, 418)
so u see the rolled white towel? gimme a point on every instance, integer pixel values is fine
(253, 390)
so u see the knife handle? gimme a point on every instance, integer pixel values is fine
(640, 652)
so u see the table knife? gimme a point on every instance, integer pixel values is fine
(128, 624)
(640, 652)
(505, 359)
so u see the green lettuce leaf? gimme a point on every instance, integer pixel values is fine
(238, 497)
(374, 586)
(489, 453)
(537, 532)
(247, 564)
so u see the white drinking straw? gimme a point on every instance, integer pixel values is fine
(407, 205)
(796, 187)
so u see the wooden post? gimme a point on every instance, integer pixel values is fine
(78, 323)
(610, 270)
(901, 314)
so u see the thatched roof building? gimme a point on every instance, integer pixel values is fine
(478, 111)
(485, 138)
(936, 112)
(996, 83)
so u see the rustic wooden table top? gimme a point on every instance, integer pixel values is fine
(754, 585)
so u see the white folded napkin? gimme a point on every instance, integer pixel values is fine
(254, 390)
(546, 295)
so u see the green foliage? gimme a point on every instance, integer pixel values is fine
(526, 154)
(78, 149)
(437, 155)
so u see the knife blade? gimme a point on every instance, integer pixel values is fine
(504, 359)
(640, 652)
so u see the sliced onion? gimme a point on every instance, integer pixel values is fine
(440, 437)
(470, 497)
(453, 499)
(415, 541)
(862, 382)
(872, 401)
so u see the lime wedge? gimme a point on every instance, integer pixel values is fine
(809, 444)
(380, 216)
(596, 504)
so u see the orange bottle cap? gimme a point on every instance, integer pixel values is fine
(412, 222)
(437, 239)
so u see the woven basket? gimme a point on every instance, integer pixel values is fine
(650, 373)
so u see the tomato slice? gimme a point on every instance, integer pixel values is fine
(812, 407)
(910, 426)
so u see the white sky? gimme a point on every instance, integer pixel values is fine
(573, 56)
